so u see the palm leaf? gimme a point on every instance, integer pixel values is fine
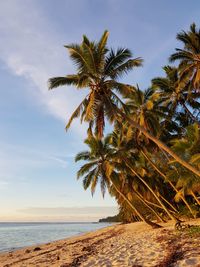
(102, 50)
(77, 56)
(113, 59)
(92, 103)
(87, 180)
(103, 41)
(84, 155)
(181, 55)
(61, 81)
(85, 169)
(94, 181)
(125, 68)
(89, 55)
(76, 113)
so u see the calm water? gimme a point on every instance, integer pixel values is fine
(18, 235)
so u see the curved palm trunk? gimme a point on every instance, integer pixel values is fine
(153, 204)
(159, 144)
(165, 200)
(154, 225)
(149, 207)
(170, 183)
(157, 206)
(153, 193)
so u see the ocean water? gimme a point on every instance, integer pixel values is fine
(19, 235)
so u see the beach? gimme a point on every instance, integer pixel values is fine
(135, 244)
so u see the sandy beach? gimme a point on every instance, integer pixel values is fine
(134, 245)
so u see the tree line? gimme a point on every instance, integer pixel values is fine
(150, 161)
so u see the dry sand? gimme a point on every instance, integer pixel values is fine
(132, 245)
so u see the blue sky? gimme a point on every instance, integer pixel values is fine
(37, 169)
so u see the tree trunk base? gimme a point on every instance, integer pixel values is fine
(153, 225)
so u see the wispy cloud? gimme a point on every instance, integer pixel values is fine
(31, 48)
(29, 157)
(16, 162)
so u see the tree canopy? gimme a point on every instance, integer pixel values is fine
(150, 162)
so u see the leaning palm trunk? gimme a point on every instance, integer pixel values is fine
(166, 179)
(153, 193)
(153, 204)
(154, 225)
(159, 143)
(149, 207)
(157, 206)
(168, 203)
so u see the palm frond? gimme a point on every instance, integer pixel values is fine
(87, 180)
(85, 169)
(181, 55)
(78, 57)
(93, 102)
(115, 59)
(124, 89)
(103, 41)
(84, 155)
(94, 182)
(101, 51)
(77, 112)
(124, 68)
(61, 81)
(89, 55)
(103, 186)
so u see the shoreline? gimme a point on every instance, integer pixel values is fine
(134, 244)
(13, 249)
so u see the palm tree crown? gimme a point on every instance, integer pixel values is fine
(189, 56)
(98, 69)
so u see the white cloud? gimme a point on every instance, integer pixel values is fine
(32, 49)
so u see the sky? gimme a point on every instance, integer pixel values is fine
(37, 169)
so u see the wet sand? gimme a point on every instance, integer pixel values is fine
(133, 245)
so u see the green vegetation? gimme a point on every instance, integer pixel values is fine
(189, 230)
(111, 219)
(194, 231)
(150, 162)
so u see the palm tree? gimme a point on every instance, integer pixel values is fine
(126, 155)
(144, 110)
(174, 97)
(144, 107)
(166, 179)
(99, 69)
(128, 186)
(189, 56)
(189, 146)
(101, 169)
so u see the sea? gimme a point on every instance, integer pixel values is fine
(18, 235)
